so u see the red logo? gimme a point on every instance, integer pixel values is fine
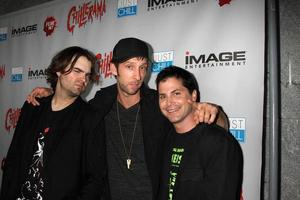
(11, 118)
(103, 63)
(223, 2)
(87, 12)
(2, 71)
(49, 25)
(46, 130)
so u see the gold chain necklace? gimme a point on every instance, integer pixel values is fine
(128, 154)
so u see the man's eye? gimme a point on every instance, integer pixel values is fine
(76, 70)
(143, 67)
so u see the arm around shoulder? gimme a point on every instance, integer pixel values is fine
(222, 119)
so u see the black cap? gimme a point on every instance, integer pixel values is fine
(128, 48)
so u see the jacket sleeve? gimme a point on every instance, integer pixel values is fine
(11, 170)
(94, 164)
(224, 171)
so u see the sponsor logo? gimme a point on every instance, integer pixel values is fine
(49, 25)
(24, 30)
(103, 64)
(36, 73)
(222, 59)
(3, 34)
(11, 118)
(224, 2)
(162, 60)
(238, 128)
(161, 4)
(16, 74)
(2, 71)
(84, 13)
(127, 7)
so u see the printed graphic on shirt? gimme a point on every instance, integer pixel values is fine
(33, 187)
(176, 158)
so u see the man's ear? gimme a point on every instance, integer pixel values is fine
(58, 74)
(113, 69)
(194, 95)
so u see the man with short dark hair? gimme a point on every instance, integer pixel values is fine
(55, 151)
(201, 161)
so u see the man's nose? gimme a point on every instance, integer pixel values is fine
(169, 100)
(137, 74)
(84, 77)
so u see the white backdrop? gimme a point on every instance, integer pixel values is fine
(220, 41)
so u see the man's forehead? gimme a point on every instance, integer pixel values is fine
(171, 82)
(178, 80)
(80, 63)
(83, 69)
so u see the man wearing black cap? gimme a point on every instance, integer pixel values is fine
(135, 127)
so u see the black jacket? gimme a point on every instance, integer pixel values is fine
(155, 126)
(74, 167)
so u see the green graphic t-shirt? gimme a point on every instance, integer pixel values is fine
(176, 157)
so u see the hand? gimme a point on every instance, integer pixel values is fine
(205, 112)
(38, 92)
(209, 113)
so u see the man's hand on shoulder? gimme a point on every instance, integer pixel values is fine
(210, 113)
(38, 92)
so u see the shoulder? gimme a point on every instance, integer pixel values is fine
(148, 92)
(149, 97)
(104, 96)
(110, 90)
(43, 101)
(211, 133)
(214, 140)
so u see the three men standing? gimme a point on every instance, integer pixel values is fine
(134, 126)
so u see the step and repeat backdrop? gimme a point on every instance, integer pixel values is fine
(220, 41)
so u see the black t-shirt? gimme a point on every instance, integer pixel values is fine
(204, 163)
(124, 183)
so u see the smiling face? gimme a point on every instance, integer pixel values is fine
(74, 83)
(175, 102)
(130, 75)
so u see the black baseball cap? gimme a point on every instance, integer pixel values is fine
(128, 48)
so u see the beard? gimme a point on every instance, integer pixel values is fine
(129, 90)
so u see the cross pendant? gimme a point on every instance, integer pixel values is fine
(128, 163)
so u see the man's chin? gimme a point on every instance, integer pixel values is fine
(173, 119)
(77, 93)
(170, 119)
(132, 91)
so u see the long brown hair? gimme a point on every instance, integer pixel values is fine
(66, 57)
